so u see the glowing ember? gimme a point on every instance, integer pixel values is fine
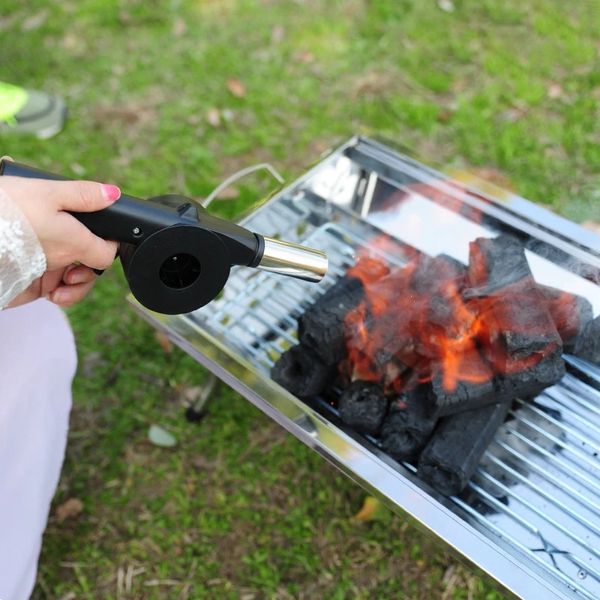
(435, 318)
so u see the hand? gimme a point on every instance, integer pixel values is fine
(62, 237)
(64, 240)
(64, 287)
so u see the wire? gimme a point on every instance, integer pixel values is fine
(237, 176)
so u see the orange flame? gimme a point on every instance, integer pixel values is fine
(416, 322)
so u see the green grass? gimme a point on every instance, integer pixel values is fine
(239, 509)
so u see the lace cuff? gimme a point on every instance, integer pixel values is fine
(22, 259)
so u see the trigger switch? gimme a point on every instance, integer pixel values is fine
(183, 208)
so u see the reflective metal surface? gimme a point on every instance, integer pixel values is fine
(293, 260)
(531, 515)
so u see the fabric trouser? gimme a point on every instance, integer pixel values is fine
(37, 365)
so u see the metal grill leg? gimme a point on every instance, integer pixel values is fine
(197, 410)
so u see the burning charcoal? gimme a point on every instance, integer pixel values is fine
(300, 371)
(407, 427)
(362, 405)
(569, 312)
(588, 343)
(443, 401)
(496, 263)
(458, 443)
(378, 332)
(517, 330)
(531, 381)
(321, 327)
(432, 273)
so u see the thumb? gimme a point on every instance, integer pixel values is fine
(83, 196)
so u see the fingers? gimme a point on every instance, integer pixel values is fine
(67, 295)
(63, 238)
(84, 246)
(97, 253)
(82, 196)
(76, 274)
(77, 281)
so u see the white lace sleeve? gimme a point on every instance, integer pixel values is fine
(22, 259)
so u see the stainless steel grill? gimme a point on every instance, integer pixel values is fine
(530, 516)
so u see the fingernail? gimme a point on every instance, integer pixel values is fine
(111, 192)
(76, 278)
(57, 296)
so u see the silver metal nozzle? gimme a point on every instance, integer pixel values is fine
(293, 260)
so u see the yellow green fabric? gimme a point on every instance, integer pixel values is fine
(12, 100)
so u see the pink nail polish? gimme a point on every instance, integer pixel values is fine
(111, 192)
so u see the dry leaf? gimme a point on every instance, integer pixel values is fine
(71, 42)
(555, 91)
(371, 508)
(35, 21)
(179, 27)
(372, 84)
(213, 116)
(592, 226)
(69, 509)
(159, 436)
(229, 193)
(236, 88)
(165, 343)
(513, 114)
(493, 176)
(446, 5)
(444, 115)
(277, 34)
(304, 56)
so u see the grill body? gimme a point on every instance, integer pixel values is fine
(530, 516)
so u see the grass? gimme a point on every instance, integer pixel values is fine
(239, 509)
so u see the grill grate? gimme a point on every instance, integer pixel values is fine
(538, 487)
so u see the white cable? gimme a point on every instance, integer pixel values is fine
(238, 175)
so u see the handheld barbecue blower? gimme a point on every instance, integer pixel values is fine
(175, 255)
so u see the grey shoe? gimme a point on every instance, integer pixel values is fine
(31, 112)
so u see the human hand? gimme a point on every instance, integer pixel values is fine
(63, 238)
(64, 287)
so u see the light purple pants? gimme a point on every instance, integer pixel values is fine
(37, 365)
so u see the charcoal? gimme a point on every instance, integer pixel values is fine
(457, 445)
(363, 405)
(531, 381)
(321, 327)
(569, 312)
(519, 330)
(496, 263)
(588, 343)
(431, 273)
(466, 395)
(407, 427)
(300, 371)
(440, 318)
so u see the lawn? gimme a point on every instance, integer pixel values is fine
(173, 95)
